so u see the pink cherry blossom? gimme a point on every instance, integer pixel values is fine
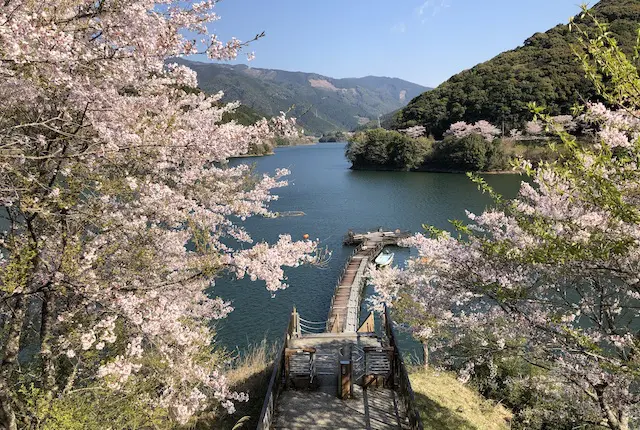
(550, 275)
(485, 129)
(122, 208)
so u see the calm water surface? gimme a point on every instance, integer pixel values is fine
(336, 199)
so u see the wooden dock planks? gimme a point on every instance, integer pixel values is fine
(345, 309)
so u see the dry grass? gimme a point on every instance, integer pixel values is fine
(444, 403)
(255, 360)
(249, 373)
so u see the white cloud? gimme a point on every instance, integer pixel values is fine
(400, 27)
(431, 8)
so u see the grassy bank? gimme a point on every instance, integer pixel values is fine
(445, 403)
(248, 373)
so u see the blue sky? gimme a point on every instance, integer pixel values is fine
(421, 41)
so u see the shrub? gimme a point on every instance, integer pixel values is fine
(389, 149)
(470, 153)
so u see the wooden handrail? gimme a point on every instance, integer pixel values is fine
(401, 376)
(275, 386)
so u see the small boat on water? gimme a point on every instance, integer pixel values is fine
(384, 259)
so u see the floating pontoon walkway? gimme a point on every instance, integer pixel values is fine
(345, 305)
(338, 374)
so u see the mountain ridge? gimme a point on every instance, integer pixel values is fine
(321, 104)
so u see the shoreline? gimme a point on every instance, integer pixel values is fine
(435, 170)
(251, 155)
(272, 152)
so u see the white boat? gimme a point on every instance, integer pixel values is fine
(384, 259)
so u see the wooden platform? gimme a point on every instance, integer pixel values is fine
(336, 374)
(370, 408)
(319, 408)
(344, 313)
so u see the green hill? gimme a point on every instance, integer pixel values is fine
(244, 115)
(321, 104)
(544, 70)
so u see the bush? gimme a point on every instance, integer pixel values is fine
(469, 153)
(389, 149)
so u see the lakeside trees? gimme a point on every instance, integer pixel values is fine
(469, 150)
(117, 210)
(387, 149)
(542, 291)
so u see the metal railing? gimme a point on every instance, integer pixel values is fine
(351, 324)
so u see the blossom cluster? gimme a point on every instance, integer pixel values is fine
(484, 128)
(560, 123)
(415, 131)
(122, 206)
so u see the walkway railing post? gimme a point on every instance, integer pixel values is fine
(295, 331)
(345, 384)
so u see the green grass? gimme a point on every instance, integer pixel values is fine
(445, 403)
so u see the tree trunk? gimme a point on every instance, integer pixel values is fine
(624, 421)
(48, 371)
(425, 354)
(617, 420)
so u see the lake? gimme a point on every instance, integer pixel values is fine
(336, 199)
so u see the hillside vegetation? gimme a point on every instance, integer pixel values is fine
(545, 70)
(444, 403)
(321, 104)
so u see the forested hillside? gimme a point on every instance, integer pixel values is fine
(321, 104)
(545, 70)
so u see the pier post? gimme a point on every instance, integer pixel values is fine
(295, 331)
(345, 383)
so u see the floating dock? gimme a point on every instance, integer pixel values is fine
(340, 373)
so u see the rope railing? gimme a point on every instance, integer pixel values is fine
(311, 326)
(311, 329)
(313, 322)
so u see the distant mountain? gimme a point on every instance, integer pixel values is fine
(544, 70)
(320, 103)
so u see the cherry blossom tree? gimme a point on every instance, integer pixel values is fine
(557, 124)
(484, 128)
(417, 306)
(415, 132)
(533, 128)
(551, 276)
(564, 123)
(119, 208)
